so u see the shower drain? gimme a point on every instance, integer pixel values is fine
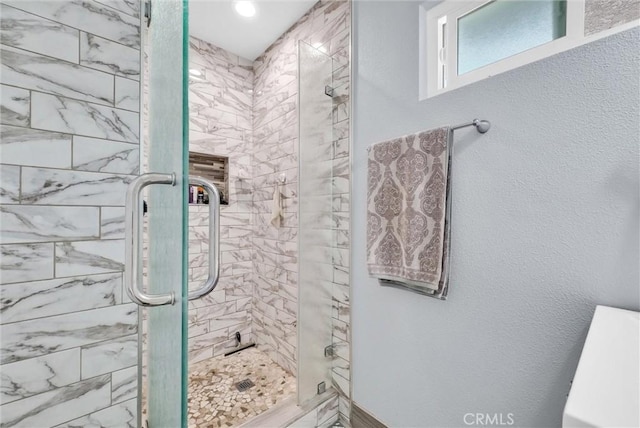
(243, 385)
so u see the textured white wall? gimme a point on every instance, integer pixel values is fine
(545, 226)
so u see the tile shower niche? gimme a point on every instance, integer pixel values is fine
(212, 168)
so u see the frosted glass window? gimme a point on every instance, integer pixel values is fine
(504, 28)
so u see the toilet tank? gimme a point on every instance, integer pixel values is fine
(606, 387)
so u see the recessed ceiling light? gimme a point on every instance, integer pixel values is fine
(245, 8)
(195, 72)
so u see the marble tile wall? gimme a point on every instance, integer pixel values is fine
(69, 147)
(275, 128)
(220, 115)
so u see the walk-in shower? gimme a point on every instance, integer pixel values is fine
(274, 331)
(152, 286)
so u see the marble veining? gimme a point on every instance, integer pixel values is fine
(127, 95)
(41, 73)
(89, 257)
(92, 154)
(59, 296)
(130, 7)
(33, 33)
(26, 262)
(14, 106)
(61, 114)
(33, 338)
(58, 405)
(25, 146)
(122, 415)
(9, 183)
(63, 187)
(88, 16)
(70, 146)
(20, 223)
(36, 375)
(109, 356)
(105, 55)
(112, 222)
(124, 384)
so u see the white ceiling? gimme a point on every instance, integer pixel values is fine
(217, 22)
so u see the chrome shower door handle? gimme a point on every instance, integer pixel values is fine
(133, 238)
(214, 238)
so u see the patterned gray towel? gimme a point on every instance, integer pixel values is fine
(408, 212)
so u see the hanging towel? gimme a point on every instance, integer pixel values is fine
(408, 212)
(276, 213)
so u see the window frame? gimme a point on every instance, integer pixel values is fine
(442, 66)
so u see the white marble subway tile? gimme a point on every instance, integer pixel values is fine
(340, 76)
(105, 55)
(112, 222)
(215, 311)
(127, 95)
(124, 384)
(53, 186)
(235, 256)
(24, 223)
(208, 340)
(341, 384)
(26, 262)
(197, 328)
(33, 33)
(87, 16)
(234, 219)
(33, 338)
(9, 183)
(122, 415)
(55, 113)
(89, 257)
(244, 304)
(341, 367)
(111, 355)
(14, 106)
(59, 405)
(41, 73)
(341, 130)
(341, 148)
(340, 257)
(328, 410)
(344, 407)
(199, 354)
(341, 238)
(340, 329)
(39, 299)
(130, 7)
(25, 146)
(37, 375)
(228, 320)
(216, 115)
(93, 154)
(216, 297)
(222, 348)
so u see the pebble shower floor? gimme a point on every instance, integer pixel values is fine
(214, 400)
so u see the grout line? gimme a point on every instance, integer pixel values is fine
(79, 29)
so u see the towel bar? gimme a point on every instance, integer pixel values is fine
(482, 126)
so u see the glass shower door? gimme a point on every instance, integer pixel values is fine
(157, 222)
(315, 221)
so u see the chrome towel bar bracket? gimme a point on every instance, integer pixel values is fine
(482, 126)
